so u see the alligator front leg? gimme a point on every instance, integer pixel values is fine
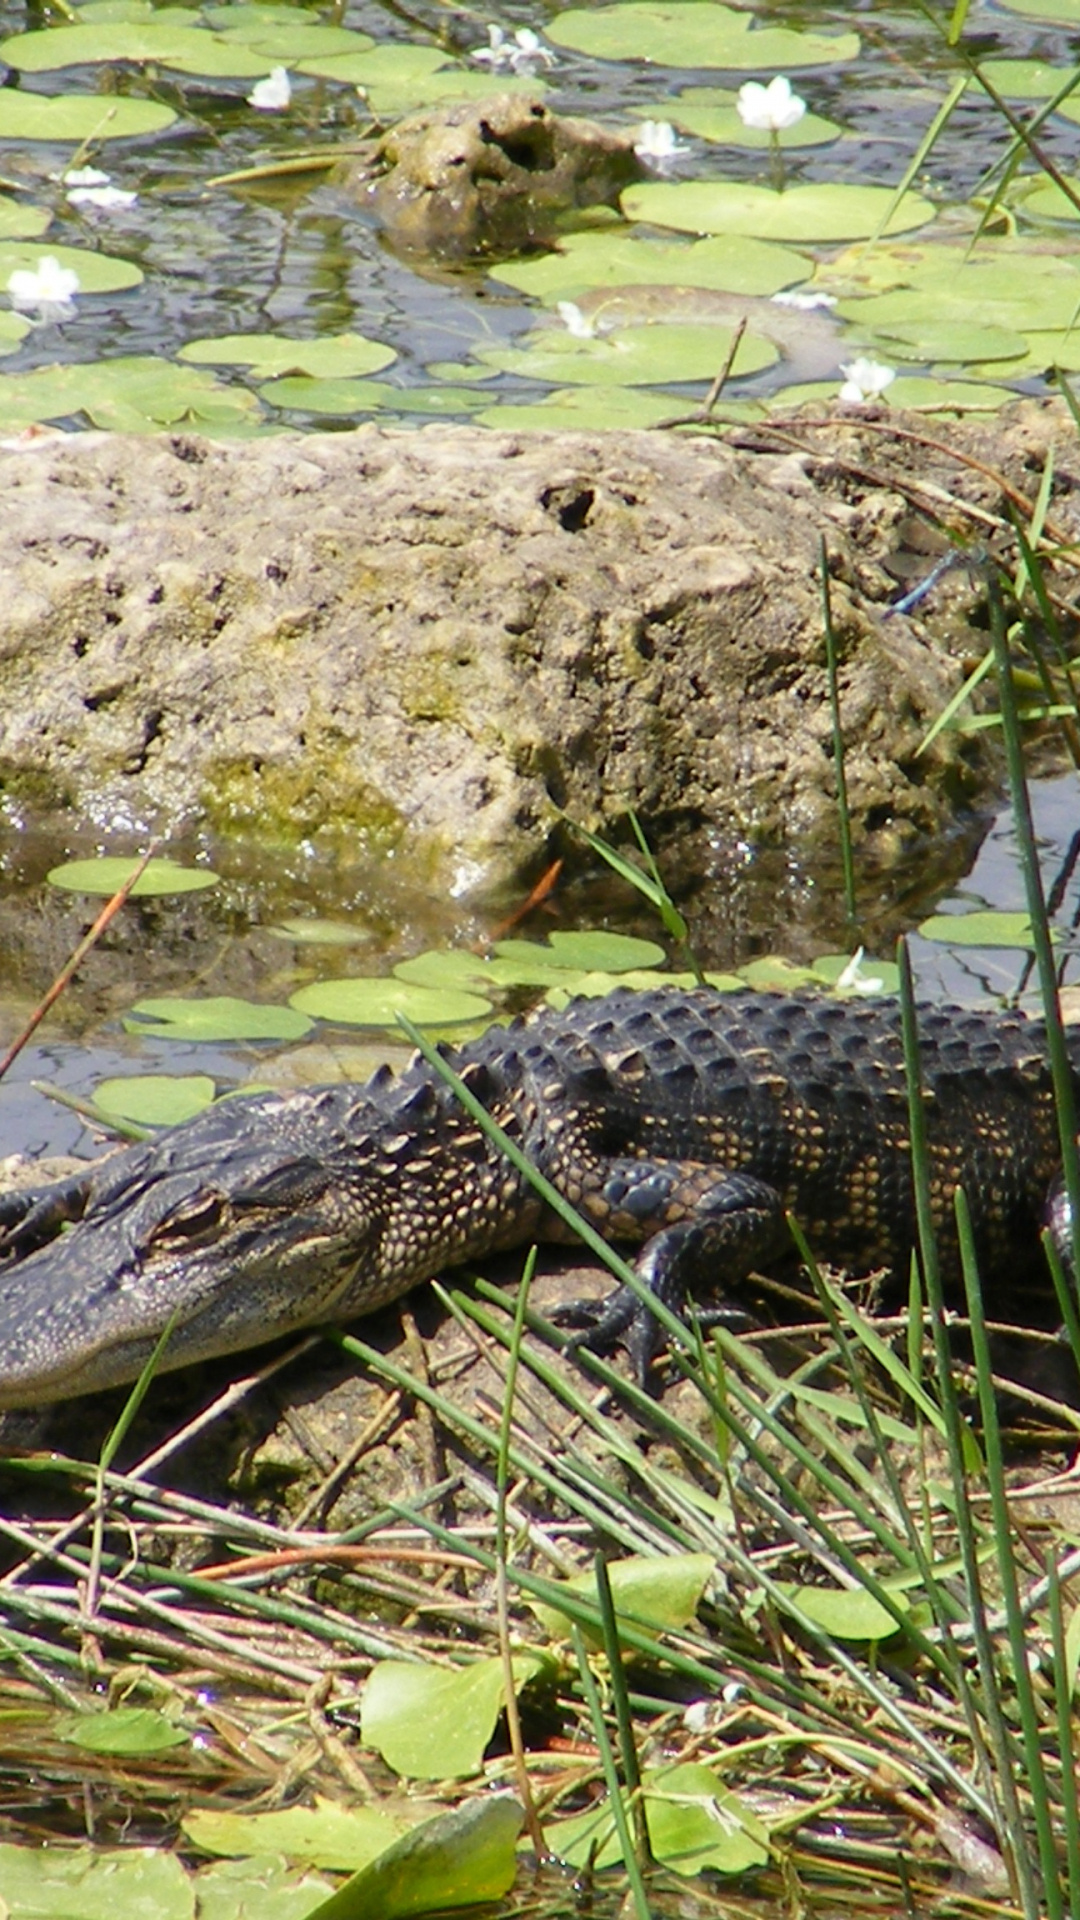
(32, 1216)
(704, 1229)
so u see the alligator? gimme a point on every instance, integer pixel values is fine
(684, 1123)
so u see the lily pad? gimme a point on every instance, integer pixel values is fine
(434, 1723)
(219, 1017)
(269, 354)
(78, 117)
(123, 1730)
(18, 222)
(988, 929)
(154, 1099)
(108, 874)
(696, 1824)
(631, 356)
(593, 409)
(614, 952)
(94, 1883)
(319, 932)
(587, 260)
(848, 1613)
(684, 33)
(98, 272)
(326, 1835)
(133, 394)
(825, 210)
(447, 967)
(663, 1590)
(464, 1858)
(377, 1003)
(13, 331)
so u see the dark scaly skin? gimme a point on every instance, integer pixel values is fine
(680, 1122)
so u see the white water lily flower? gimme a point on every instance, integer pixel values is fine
(575, 321)
(86, 177)
(771, 109)
(49, 288)
(521, 54)
(854, 980)
(272, 94)
(804, 302)
(105, 199)
(864, 380)
(656, 145)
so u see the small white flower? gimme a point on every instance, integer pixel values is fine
(86, 177)
(771, 109)
(106, 199)
(521, 54)
(656, 145)
(864, 380)
(575, 321)
(804, 302)
(272, 94)
(854, 980)
(50, 289)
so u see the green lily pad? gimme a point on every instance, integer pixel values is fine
(347, 397)
(613, 952)
(631, 356)
(827, 210)
(684, 33)
(944, 340)
(395, 78)
(696, 1824)
(591, 409)
(39, 116)
(921, 395)
(587, 260)
(663, 1590)
(1063, 10)
(98, 272)
(133, 394)
(986, 929)
(1048, 202)
(1023, 79)
(377, 1003)
(18, 222)
(712, 114)
(326, 1835)
(312, 930)
(433, 1723)
(848, 1613)
(108, 874)
(219, 1017)
(464, 1858)
(269, 355)
(13, 331)
(93, 1883)
(447, 967)
(123, 1730)
(155, 1099)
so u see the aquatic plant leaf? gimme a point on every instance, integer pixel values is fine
(665, 1591)
(268, 1888)
(631, 356)
(154, 1099)
(325, 1835)
(925, 394)
(18, 222)
(157, 39)
(984, 929)
(695, 1824)
(127, 1730)
(13, 331)
(824, 210)
(711, 114)
(96, 1883)
(614, 952)
(318, 932)
(107, 874)
(848, 1613)
(457, 1859)
(347, 397)
(593, 408)
(434, 1723)
(682, 33)
(219, 1017)
(97, 117)
(98, 272)
(1023, 79)
(377, 1003)
(1064, 10)
(134, 394)
(587, 260)
(269, 354)
(447, 967)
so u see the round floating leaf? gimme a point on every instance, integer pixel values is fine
(96, 1883)
(39, 116)
(157, 39)
(463, 1858)
(684, 33)
(1064, 10)
(318, 932)
(664, 1590)
(393, 66)
(127, 1730)
(269, 355)
(937, 340)
(327, 1835)
(447, 968)
(712, 114)
(613, 952)
(870, 975)
(98, 272)
(107, 876)
(987, 929)
(216, 1018)
(594, 409)
(588, 260)
(1049, 202)
(821, 211)
(13, 331)
(155, 1099)
(133, 394)
(631, 356)
(19, 222)
(433, 1723)
(1023, 79)
(286, 43)
(377, 1003)
(848, 1613)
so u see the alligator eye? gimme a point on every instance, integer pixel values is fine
(192, 1221)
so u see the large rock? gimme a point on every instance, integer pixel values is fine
(445, 638)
